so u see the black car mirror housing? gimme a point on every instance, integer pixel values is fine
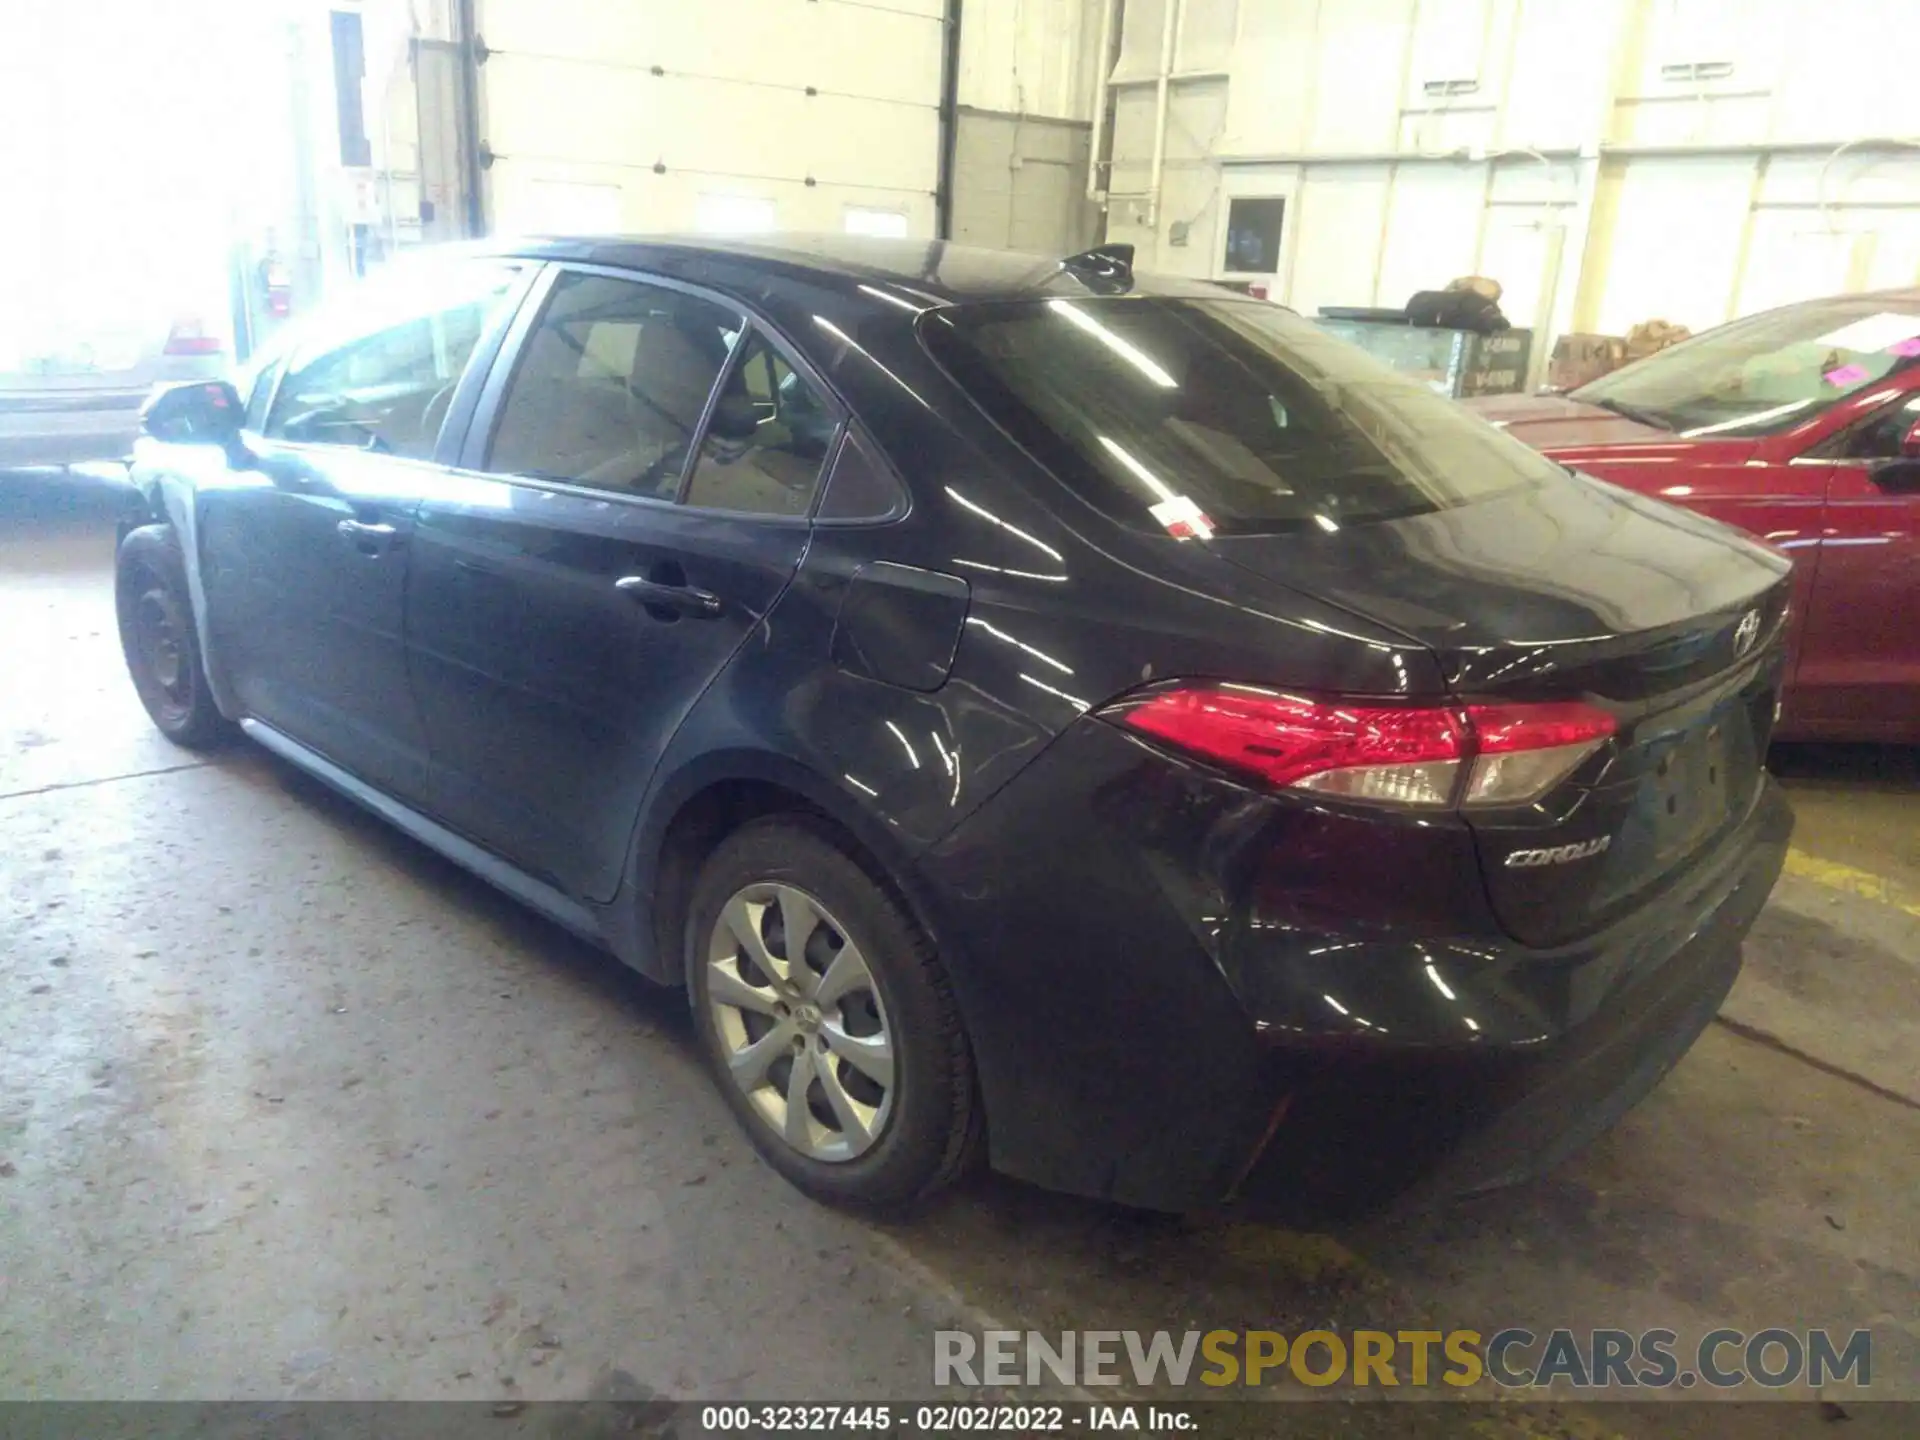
(1900, 477)
(201, 413)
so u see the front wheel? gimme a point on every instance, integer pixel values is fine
(159, 641)
(827, 1020)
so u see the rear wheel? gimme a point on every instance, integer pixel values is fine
(159, 641)
(827, 1020)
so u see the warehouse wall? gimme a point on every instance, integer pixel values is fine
(1608, 160)
(128, 186)
(652, 115)
(1020, 183)
(821, 115)
(1027, 75)
(1030, 57)
(732, 115)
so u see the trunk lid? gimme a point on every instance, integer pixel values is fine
(1577, 590)
(92, 333)
(49, 342)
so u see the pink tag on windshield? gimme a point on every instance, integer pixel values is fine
(1906, 347)
(1846, 375)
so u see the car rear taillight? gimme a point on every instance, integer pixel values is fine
(190, 337)
(1523, 751)
(1428, 756)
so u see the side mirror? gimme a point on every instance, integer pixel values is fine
(1898, 477)
(201, 413)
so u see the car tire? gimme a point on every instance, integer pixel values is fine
(870, 1004)
(158, 638)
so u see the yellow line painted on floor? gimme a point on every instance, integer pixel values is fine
(1863, 884)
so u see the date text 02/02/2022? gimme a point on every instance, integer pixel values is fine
(942, 1418)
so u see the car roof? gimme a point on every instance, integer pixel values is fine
(922, 273)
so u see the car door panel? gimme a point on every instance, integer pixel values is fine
(305, 536)
(1859, 672)
(548, 690)
(563, 619)
(1861, 663)
(305, 558)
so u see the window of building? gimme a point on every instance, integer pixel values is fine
(1253, 235)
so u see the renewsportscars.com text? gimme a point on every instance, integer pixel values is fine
(1513, 1357)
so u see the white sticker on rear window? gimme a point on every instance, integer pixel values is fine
(1182, 519)
(1880, 331)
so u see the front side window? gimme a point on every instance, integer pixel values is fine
(380, 371)
(610, 386)
(1201, 416)
(1878, 437)
(770, 435)
(1767, 373)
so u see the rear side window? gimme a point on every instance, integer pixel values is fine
(769, 436)
(862, 485)
(380, 371)
(611, 384)
(1219, 416)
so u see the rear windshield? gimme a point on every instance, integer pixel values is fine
(1201, 416)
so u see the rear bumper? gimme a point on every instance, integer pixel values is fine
(67, 426)
(1424, 1127)
(65, 429)
(1183, 992)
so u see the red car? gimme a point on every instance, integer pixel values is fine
(1802, 426)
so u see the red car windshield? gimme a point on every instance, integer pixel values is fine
(1769, 372)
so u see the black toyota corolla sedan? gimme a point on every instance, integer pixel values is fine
(1097, 724)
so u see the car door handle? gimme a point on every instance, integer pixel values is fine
(678, 599)
(368, 537)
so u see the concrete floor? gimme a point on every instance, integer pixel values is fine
(291, 1108)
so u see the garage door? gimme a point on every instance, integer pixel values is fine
(726, 115)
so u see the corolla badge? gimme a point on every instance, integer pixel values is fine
(1558, 854)
(1746, 632)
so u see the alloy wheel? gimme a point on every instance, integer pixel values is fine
(801, 1024)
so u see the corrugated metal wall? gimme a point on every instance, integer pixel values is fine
(652, 115)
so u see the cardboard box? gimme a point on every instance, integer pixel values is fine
(1580, 358)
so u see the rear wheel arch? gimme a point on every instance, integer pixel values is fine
(696, 811)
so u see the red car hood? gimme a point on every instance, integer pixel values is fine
(1554, 422)
(1641, 457)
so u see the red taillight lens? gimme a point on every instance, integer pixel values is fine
(189, 337)
(1363, 750)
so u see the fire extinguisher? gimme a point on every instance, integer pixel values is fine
(276, 280)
